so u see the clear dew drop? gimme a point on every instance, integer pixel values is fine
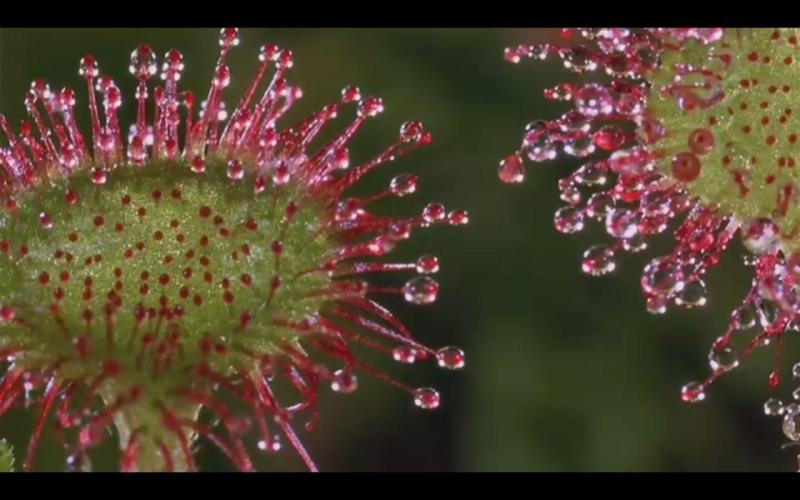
(598, 260)
(143, 62)
(426, 398)
(768, 313)
(760, 236)
(198, 165)
(796, 370)
(796, 394)
(578, 59)
(598, 205)
(656, 304)
(427, 264)
(723, 359)
(235, 170)
(228, 37)
(791, 424)
(458, 217)
(661, 277)
(592, 174)
(694, 294)
(574, 121)
(370, 107)
(433, 213)
(693, 392)
(744, 317)
(403, 184)
(773, 407)
(411, 131)
(580, 147)
(569, 193)
(593, 100)
(344, 381)
(635, 243)
(451, 358)
(512, 170)
(404, 354)
(421, 290)
(623, 223)
(569, 220)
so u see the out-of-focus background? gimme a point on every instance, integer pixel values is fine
(564, 372)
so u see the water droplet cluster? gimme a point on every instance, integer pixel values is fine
(201, 251)
(697, 125)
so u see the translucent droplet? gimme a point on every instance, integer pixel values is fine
(451, 358)
(744, 317)
(344, 381)
(656, 304)
(773, 407)
(434, 212)
(404, 354)
(421, 290)
(693, 392)
(561, 92)
(512, 170)
(580, 147)
(622, 223)
(228, 37)
(569, 193)
(569, 220)
(403, 184)
(235, 170)
(427, 264)
(426, 398)
(796, 370)
(723, 359)
(222, 77)
(143, 62)
(198, 164)
(458, 217)
(598, 260)
(370, 106)
(593, 100)
(592, 174)
(351, 94)
(574, 121)
(598, 205)
(537, 144)
(88, 67)
(411, 131)
(761, 235)
(768, 313)
(791, 425)
(635, 243)
(349, 209)
(578, 59)
(662, 276)
(609, 138)
(693, 295)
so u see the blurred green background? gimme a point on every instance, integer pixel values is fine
(564, 372)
